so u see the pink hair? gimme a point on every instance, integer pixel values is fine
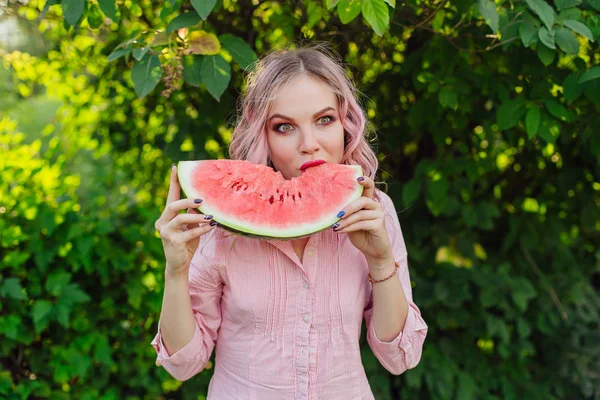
(270, 74)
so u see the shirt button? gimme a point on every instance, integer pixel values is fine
(311, 253)
(305, 285)
(306, 318)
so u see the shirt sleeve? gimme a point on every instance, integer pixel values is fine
(205, 285)
(404, 351)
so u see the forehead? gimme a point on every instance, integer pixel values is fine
(303, 95)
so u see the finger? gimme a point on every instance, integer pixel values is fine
(172, 210)
(362, 215)
(174, 188)
(193, 211)
(368, 186)
(364, 225)
(177, 223)
(182, 237)
(362, 203)
(198, 231)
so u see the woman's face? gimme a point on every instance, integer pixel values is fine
(304, 125)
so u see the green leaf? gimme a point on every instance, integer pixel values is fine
(522, 291)
(392, 3)
(509, 113)
(447, 98)
(560, 4)
(592, 91)
(546, 37)
(566, 40)
(330, 4)
(203, 7)
(192, 71)
(348, 10)
(118, 53)
(467, 387)
(532, 121)
(571, 89)
(72, 10)
(216, 73)
(528, 33)
(410, 192)
(94, 17)
(12, 288)
(580, 28)
(140, 52)
(590, 74)
(487, 8)
(437, 195)
(377, 15)
(557, 109)
(549, 130)
(145, 75)
(47, 7)
(183, 21)
(109, 9)
(544, 11)
(595, 4)
(56, 282)
(569, 13)
(10, 325)
(545, 54)
(314, 12)
(63, 310)
(241, 51)
(72, 293)
(40, 313)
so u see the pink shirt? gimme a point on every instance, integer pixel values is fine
(282, 329)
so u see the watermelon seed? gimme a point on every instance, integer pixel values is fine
(271, 200)
(294, 197)
(281, 197)
(299, 195)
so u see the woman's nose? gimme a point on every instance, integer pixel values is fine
(310, 144)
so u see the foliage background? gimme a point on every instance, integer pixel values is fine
(487, 118)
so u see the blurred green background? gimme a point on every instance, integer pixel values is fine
(488, 136)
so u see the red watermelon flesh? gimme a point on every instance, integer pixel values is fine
(255, 200)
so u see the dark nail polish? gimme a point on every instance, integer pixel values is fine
(335, 226)
(198, 201)
(213, 223)
(341, 214)
(360, 178)
(208, 217)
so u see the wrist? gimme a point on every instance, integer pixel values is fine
(381, 264)
(180, 274)
(379, 269)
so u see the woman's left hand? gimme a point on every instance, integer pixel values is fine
(364, 222)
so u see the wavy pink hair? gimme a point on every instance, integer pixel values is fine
(270, 74)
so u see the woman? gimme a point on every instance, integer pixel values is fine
(284, 317)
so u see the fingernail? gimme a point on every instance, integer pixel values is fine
(198, 201)
(360, 178)
(335, 226)
(208, 217)
(341, 214)
(213, 223)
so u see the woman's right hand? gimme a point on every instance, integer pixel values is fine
(180, 233)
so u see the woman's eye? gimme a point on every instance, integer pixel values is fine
(325, 120)
(284, 128)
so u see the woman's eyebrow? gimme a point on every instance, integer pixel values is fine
(292, 119)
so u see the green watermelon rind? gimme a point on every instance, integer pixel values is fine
(183, 173)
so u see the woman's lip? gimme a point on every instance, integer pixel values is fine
(312, 163)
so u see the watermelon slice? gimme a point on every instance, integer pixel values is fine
(254, 200)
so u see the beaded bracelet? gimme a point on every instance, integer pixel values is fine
(384, 279)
